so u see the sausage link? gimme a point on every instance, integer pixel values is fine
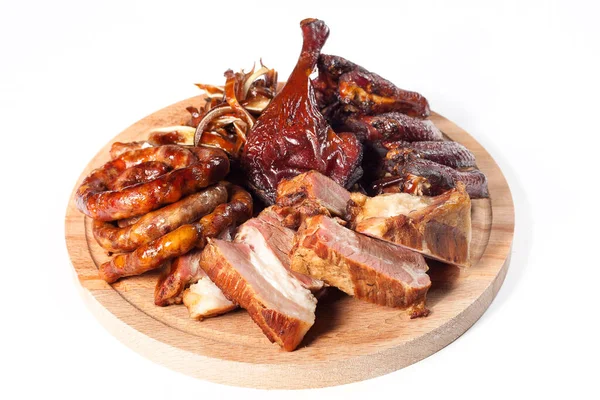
(122, 223)
(233, 213)
(159, 222)
(142, 173)
(151, 255)
(181, 273)
(178, 242)
(194, 168)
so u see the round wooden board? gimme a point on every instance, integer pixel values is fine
(350, 341)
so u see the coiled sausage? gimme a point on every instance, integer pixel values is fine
(194, 169)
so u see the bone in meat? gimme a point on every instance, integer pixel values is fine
(363, 92)
(292, 136)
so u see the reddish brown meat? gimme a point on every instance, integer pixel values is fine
(119, 148)
(448, 153)
(292, 136)
(350, 88)
(194, 169)
(182, 271)
(415, 175)
(275, 300)
(367, 268)
(183, 239)
(159, 222)
(315, 187)
(438, 227)
(391, 126)
(145, 172)
(266, 232)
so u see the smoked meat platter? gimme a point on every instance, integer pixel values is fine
(350, 341)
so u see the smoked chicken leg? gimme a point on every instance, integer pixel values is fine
(292, 136)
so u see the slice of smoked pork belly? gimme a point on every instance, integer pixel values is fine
(315, 187)
(267, 237)
(274, 298)
(366, 268)
(438, 227)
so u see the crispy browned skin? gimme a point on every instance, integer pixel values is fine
(448, 153)
(292, 216)
(343, 84)
(142, 173)
(183, 239)
(391, 126)
(279, 328)
(159, 222)
(122, 223)
(427, 178)
(441, 230)
(292, 136)
(194, 169)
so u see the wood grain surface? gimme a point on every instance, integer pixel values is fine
(350, 341)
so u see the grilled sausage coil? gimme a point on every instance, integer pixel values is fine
(194, 168)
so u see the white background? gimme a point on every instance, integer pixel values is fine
(522, 77)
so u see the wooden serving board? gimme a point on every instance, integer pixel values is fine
(350, 341)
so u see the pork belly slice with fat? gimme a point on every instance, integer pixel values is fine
(438, 227)
(258, 282)
(366, 268)
(266, 234)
